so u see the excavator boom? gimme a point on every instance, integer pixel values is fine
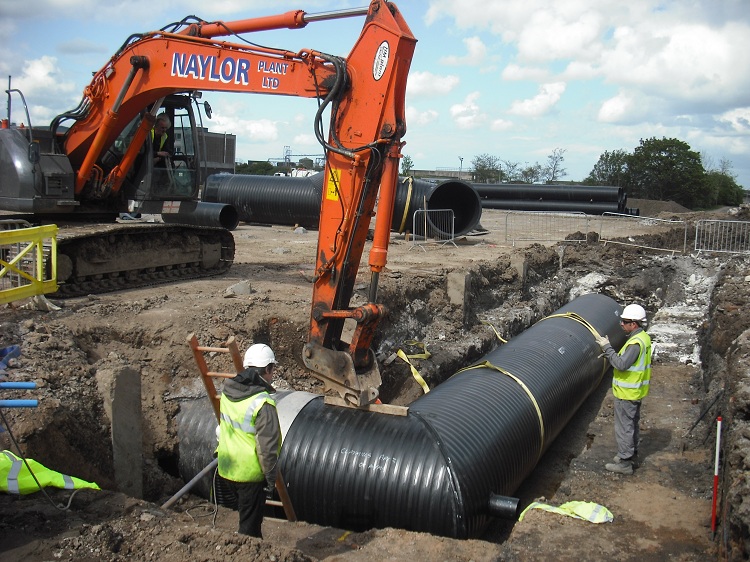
(365, 95)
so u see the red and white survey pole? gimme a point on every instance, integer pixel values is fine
(716, 476)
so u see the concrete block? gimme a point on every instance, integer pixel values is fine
(521, 265)
(458, 289)
(121, 391)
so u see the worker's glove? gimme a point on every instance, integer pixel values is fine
(270, 487)
(603, 341)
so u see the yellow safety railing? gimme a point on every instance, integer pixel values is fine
(28, 262)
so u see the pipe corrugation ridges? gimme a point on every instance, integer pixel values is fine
(475, 435)
(296, 201)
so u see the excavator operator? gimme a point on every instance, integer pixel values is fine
(158, 140)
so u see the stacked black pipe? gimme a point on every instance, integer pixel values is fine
(589, 199)
(296, 201)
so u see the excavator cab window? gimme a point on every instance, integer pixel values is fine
(177, 178)
(184, 174)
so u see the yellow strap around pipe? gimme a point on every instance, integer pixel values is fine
(495, 330)
(581, 320)
(426, 355)
(526, 389)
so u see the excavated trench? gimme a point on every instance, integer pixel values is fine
(507, 296)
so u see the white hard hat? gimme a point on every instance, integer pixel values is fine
(634, 312)
(258, 355)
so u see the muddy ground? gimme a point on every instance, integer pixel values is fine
(700, 319)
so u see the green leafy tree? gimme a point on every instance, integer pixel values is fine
(511, 170)
(610, 169)
(407, 165)
(487, 169)
(531, 173)
(667, 169)
(554, 171)
(724, 188)
(255, 168)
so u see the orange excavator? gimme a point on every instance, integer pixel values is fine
(96, 166)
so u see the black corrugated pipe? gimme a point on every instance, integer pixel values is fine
(199, 213)
(269, 199)
(413, 195)
(291, 201)
(569, 192)
(552, 206)
(451, 464)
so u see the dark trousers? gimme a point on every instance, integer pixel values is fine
(250, 501)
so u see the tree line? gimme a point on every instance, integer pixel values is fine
(668, 169)
(661, 169)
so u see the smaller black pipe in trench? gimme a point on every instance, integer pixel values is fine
(296, 201)
(450, 465)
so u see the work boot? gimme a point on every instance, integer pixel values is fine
(620, 467)
(634, 459)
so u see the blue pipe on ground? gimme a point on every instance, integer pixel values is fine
(452, 462)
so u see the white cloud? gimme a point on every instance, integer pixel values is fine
(691, 63)
(738, 119)
(467, 115)
(515, 72)
(308, 141)
(476, 52)
(550, 35)
(420, 118)
(548, 96)
(500, 125)
(253, 131)
(427, 83)
(615, 109)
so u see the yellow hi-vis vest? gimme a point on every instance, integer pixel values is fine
(633, 384)
(162, 139)
(15, 477)
(238, 458)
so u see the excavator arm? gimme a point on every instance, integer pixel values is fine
(365, 94)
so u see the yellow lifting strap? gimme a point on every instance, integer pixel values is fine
(576, 317)
(495, 330)
(581, 320)
(526, 389)
(588, 511)
(424, 355)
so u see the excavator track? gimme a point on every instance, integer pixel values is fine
(104, 258)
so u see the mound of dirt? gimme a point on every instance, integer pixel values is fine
(653, 208)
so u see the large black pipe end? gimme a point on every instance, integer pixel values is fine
(455, 195)
(502, 506)
(205, 214)
(463, 199)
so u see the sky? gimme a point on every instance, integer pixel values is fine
(514, 79)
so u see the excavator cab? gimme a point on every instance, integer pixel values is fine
(180, 176)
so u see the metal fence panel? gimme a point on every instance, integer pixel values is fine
(722, 236)
(532, 226)
(615, 228)
(433, 226)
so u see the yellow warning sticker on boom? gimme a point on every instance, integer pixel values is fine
(332, 187)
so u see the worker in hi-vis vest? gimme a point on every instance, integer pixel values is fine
(250, 436)
(630, 384)
(158, 140)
